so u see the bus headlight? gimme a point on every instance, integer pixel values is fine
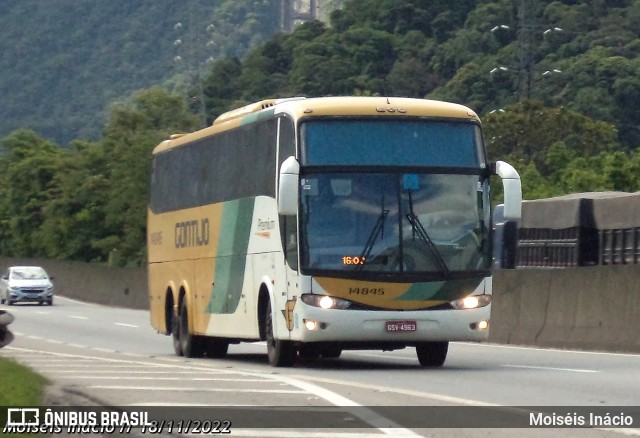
(471, 302)
(325, 301)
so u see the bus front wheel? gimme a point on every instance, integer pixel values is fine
(432, 354)
(280, 353)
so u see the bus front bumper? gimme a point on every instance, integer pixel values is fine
(312, 324)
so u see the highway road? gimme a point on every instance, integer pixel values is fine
(99, 355)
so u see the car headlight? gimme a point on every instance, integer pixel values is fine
(471, 302)
(325, 301)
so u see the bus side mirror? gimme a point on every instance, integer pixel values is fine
(512, 190)
(288, 187)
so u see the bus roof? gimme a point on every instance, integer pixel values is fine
(300, 108)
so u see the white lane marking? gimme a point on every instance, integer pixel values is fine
(627, 432)
(374, 419)
(384, 425)
(53, 362)
(548, 350)
(126, 353)
(421, 394)
(86, 303)
(122, 324)
(534, 367)
(168, 379)
(71, 368)
(112, 371)
(385, 356)
(197, 389)
(77, 346)
(104, 350)
(77, 317)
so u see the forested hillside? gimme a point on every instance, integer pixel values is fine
(63, 62)
(583, 55)
(557, 84)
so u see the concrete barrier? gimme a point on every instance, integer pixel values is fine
(590, 308)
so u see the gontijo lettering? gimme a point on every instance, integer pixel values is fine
(192, 233)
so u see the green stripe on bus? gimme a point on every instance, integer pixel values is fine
(231, 258)
(441, 290)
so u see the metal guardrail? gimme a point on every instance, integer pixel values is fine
(619, 246)
(582, 229)
(564, 248)
(5, 335)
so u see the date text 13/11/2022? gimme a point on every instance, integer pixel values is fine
(210, 427)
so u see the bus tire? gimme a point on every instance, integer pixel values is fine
(190, 344)
(216, 347)
(175, 334)
(432, 354)
(280, 353)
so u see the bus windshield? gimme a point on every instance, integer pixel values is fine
(392, 142)
(422, 224)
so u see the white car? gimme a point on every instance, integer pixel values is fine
(26, 284)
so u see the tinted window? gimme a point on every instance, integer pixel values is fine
(231, 165)
(394, 142)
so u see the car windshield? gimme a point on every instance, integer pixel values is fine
(28, 273)
(434, 225)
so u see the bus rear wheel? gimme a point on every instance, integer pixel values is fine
(280, 353)
(432, 354)
(191, 345)
(175, 334)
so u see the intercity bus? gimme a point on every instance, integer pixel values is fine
(325, 224)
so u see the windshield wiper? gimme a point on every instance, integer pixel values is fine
(418, 229)
(378, 229)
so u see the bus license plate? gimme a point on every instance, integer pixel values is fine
(401, 326)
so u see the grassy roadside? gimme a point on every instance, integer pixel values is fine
(19, 386)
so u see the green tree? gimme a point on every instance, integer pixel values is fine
(528, 129)
(222, 88)
(27, 170)
(134, 129)
(74, 219)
